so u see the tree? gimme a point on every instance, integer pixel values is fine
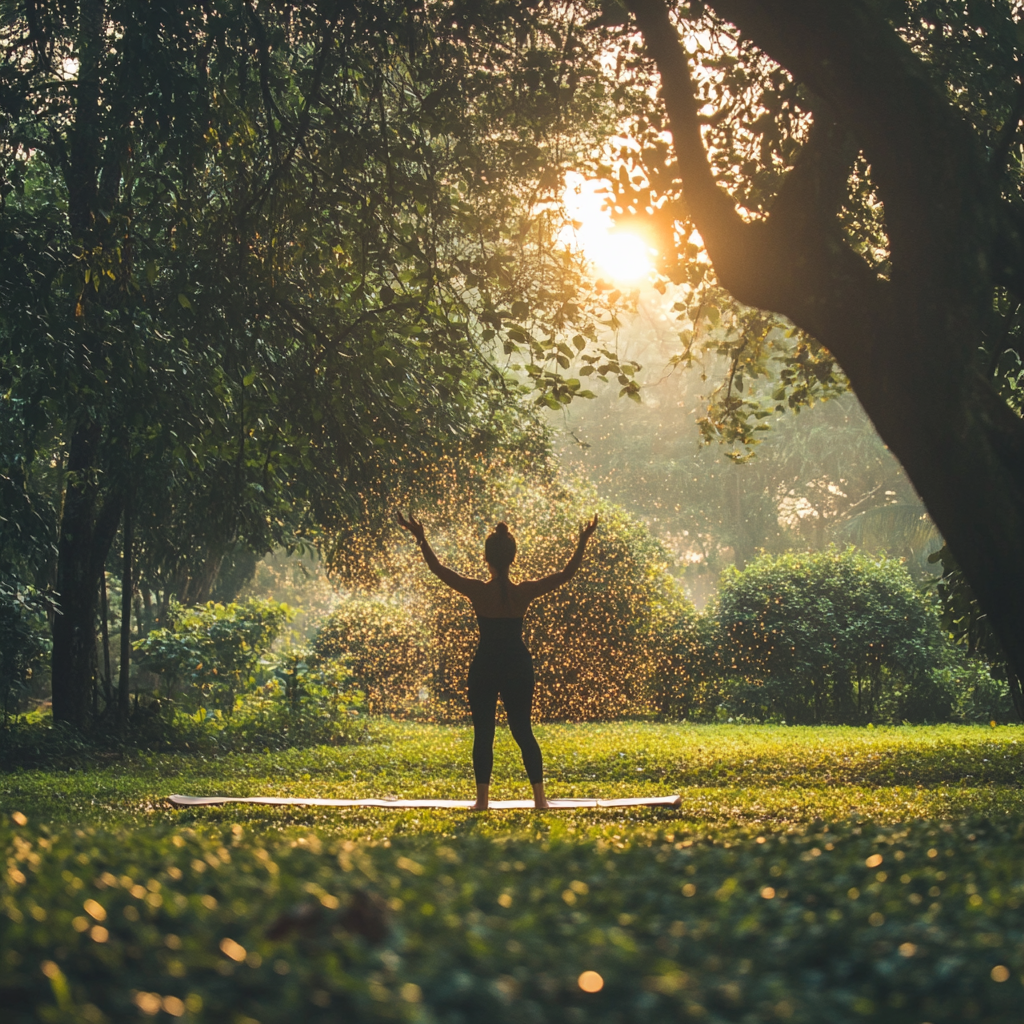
(255, 263)
(915, 112)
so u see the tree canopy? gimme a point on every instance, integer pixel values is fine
(856, 167)
(260, 265)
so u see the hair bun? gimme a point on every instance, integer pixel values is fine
(501, 528)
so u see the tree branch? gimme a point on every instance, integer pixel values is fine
(712, 208)
(795, 262)
(925, 158)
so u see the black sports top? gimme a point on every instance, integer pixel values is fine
(497, 631)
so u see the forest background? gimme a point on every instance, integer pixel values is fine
(270, 271)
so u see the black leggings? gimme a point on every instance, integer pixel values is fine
(505, 670)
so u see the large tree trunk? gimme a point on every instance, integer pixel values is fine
(83, 541)
(87, 530)
(908, 345)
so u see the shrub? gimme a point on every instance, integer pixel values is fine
(976, 693)
(297, 701)
(303, 702)
(595, 641)
(213, 651)
(591, 639)
(385, 647)
(224, 689)
(830, 637)
(685, 680)
(24, 641)
(970, 632)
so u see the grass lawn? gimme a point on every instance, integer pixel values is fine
(817, 875)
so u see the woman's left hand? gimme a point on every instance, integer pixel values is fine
(587, 529)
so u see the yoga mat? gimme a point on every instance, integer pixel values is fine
(498, 805)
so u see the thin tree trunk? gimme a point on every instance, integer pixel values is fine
(108, 695)
(126, 618)
(1013, 680)
(87, 530)
(74, 627)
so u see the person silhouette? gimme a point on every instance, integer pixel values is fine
(502, 665)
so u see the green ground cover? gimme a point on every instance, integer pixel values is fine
(810, 874)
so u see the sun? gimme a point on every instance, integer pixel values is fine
(619, 255)
(622, 256)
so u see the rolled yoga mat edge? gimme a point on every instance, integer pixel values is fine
(179, 800)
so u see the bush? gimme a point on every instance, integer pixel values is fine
(385, 648)
(224, 689)
(832, 637)
(976, 694)
(685, 682)
(24, 641)
(592, 640)
(213, 651)
(303, 702)
(969, 631)
(595, 642)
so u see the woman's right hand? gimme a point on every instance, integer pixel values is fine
(412, 525)
(587, 529)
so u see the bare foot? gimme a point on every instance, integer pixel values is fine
(540, 806)
(540, 800)
(479, 806)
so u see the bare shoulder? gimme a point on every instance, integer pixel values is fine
(465, 585)
(536, 588)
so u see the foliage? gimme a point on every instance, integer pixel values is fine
(820, 477)
(819, 201)
(755, 899)
(260, 265)
(384, 644)
(591, 640)
(977, 695)
(238, 694)
(214, 651)
(302, 703)
(686, 683)
(830, 637)
(24, 643)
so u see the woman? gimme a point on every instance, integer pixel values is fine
(502, 665)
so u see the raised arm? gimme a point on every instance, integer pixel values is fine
(548, 583)
(462, 584)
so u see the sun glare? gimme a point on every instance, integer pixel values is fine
(619, 255)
